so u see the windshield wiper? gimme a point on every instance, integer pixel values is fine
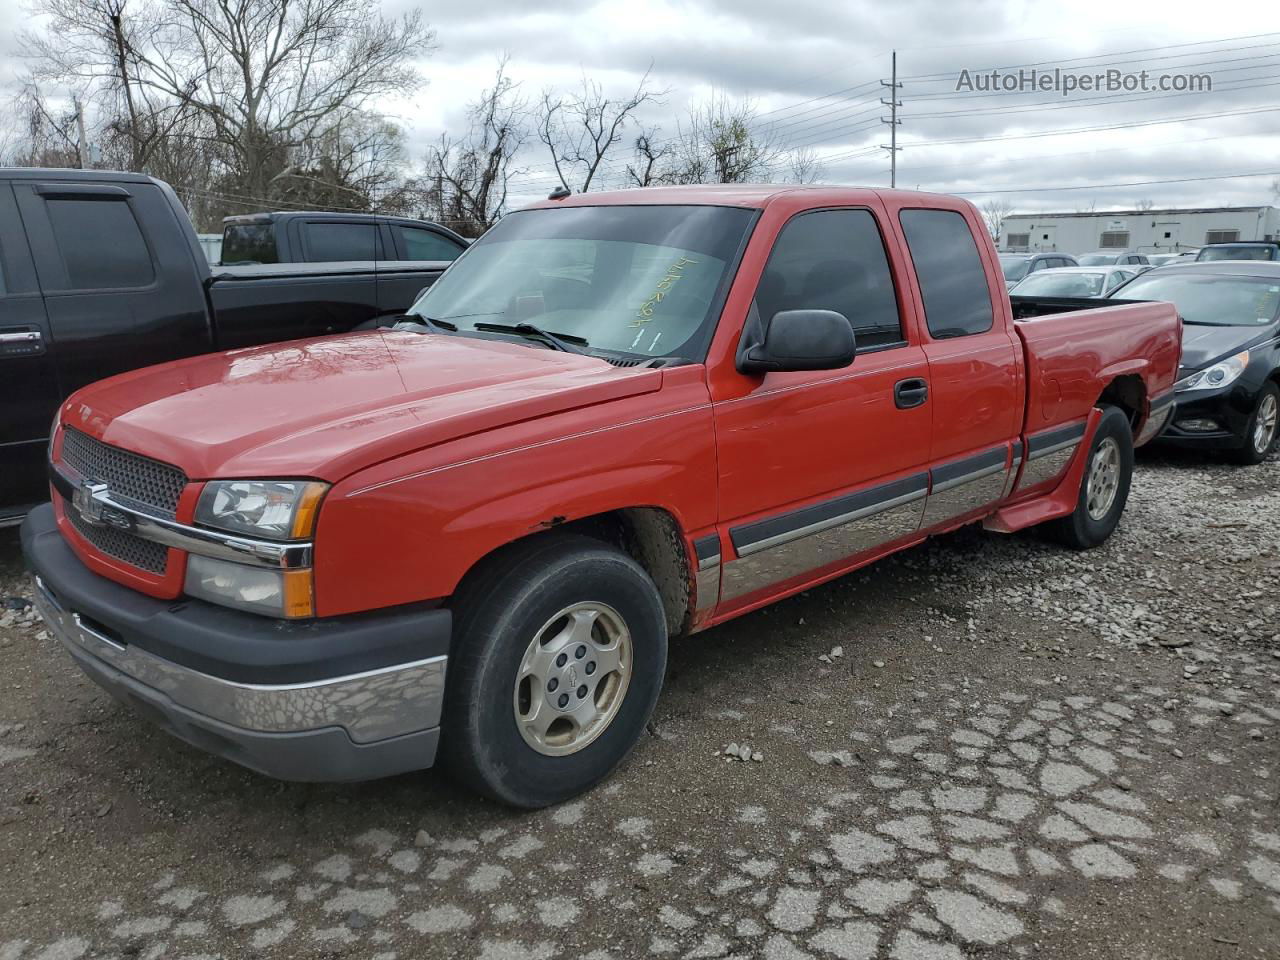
(418, 320)
(565, 342)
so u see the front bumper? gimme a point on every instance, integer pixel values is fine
(1230, 408)
(348, 698)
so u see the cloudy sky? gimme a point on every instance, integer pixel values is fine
(811, 69)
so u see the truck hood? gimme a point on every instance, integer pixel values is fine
(324, 408)
(1204, 345)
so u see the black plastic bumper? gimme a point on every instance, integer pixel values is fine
(1230, 408)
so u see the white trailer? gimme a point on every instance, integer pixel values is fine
(1150, 231)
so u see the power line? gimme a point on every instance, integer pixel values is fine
(1132, 183)
(1060, 104)
(1096, 56)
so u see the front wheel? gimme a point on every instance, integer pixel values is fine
(558, 658)
(1104, 489)
(1260, 434)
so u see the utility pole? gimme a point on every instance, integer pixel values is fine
(893, 103)
(82, 146)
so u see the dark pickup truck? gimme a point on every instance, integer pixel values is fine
(313, 237)
(101, 273)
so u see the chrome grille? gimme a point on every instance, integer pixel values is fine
(138, 481)
(143, 554)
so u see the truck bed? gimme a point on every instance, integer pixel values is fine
(1024, 308)
(1073, 354)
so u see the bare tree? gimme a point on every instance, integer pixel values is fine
(465, 181)
(720, 143)
(647, 168)
(994, 214)
(1144, 205)
(270, 81)
(38, 134)
(579, 129)
(803, 166)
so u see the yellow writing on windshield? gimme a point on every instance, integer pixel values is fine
(674, 273)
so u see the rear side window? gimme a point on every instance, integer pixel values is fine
(100, 243)
(342, 241)
(957, 302)
(249, 243)
(421, 244)
(833, 260)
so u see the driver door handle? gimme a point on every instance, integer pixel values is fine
(911, 392)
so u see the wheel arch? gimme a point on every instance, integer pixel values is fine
(650, 535)
(1128, 392)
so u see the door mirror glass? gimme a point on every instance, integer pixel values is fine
(797, 340)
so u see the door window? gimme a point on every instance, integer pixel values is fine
(422, 244)
(330, 242)
(952, 280)
(834, 260)
(100, 244)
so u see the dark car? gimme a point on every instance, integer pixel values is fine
(314, 237)
(101, 273)
(1016, 266)
(1228, 391)
(1240, 250)
(1105, 258)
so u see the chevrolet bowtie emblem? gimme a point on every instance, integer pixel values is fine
(89, 501)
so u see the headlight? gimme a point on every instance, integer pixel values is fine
(271, 592)
(1220, 374)
(271, 509)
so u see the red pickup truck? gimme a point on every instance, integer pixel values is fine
(615, 419)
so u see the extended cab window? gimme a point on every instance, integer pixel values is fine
(422, 244)
(833, 260)
(249, 243)
(342, 241)
(953, 283)
(100, 244)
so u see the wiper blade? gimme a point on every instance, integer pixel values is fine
(565, 342)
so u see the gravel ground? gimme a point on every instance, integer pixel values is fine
(1014, 751)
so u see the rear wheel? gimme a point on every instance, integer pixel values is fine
(1104, 488)
(559, 655)
(1260, 434)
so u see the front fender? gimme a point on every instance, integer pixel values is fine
(409, 530)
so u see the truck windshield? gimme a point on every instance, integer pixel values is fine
(1211, 301)
(1015, 268)
(249, 243)
(629, 279)
(1237, 253)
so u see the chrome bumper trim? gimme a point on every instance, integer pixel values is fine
(170, 533)
(370, 706)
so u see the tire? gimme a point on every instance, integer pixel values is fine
(1089, 526)
(517, 611)
(1260, 434)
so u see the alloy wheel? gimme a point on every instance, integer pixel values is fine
(573, 678)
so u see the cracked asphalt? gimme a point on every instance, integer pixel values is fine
(1015, 751)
